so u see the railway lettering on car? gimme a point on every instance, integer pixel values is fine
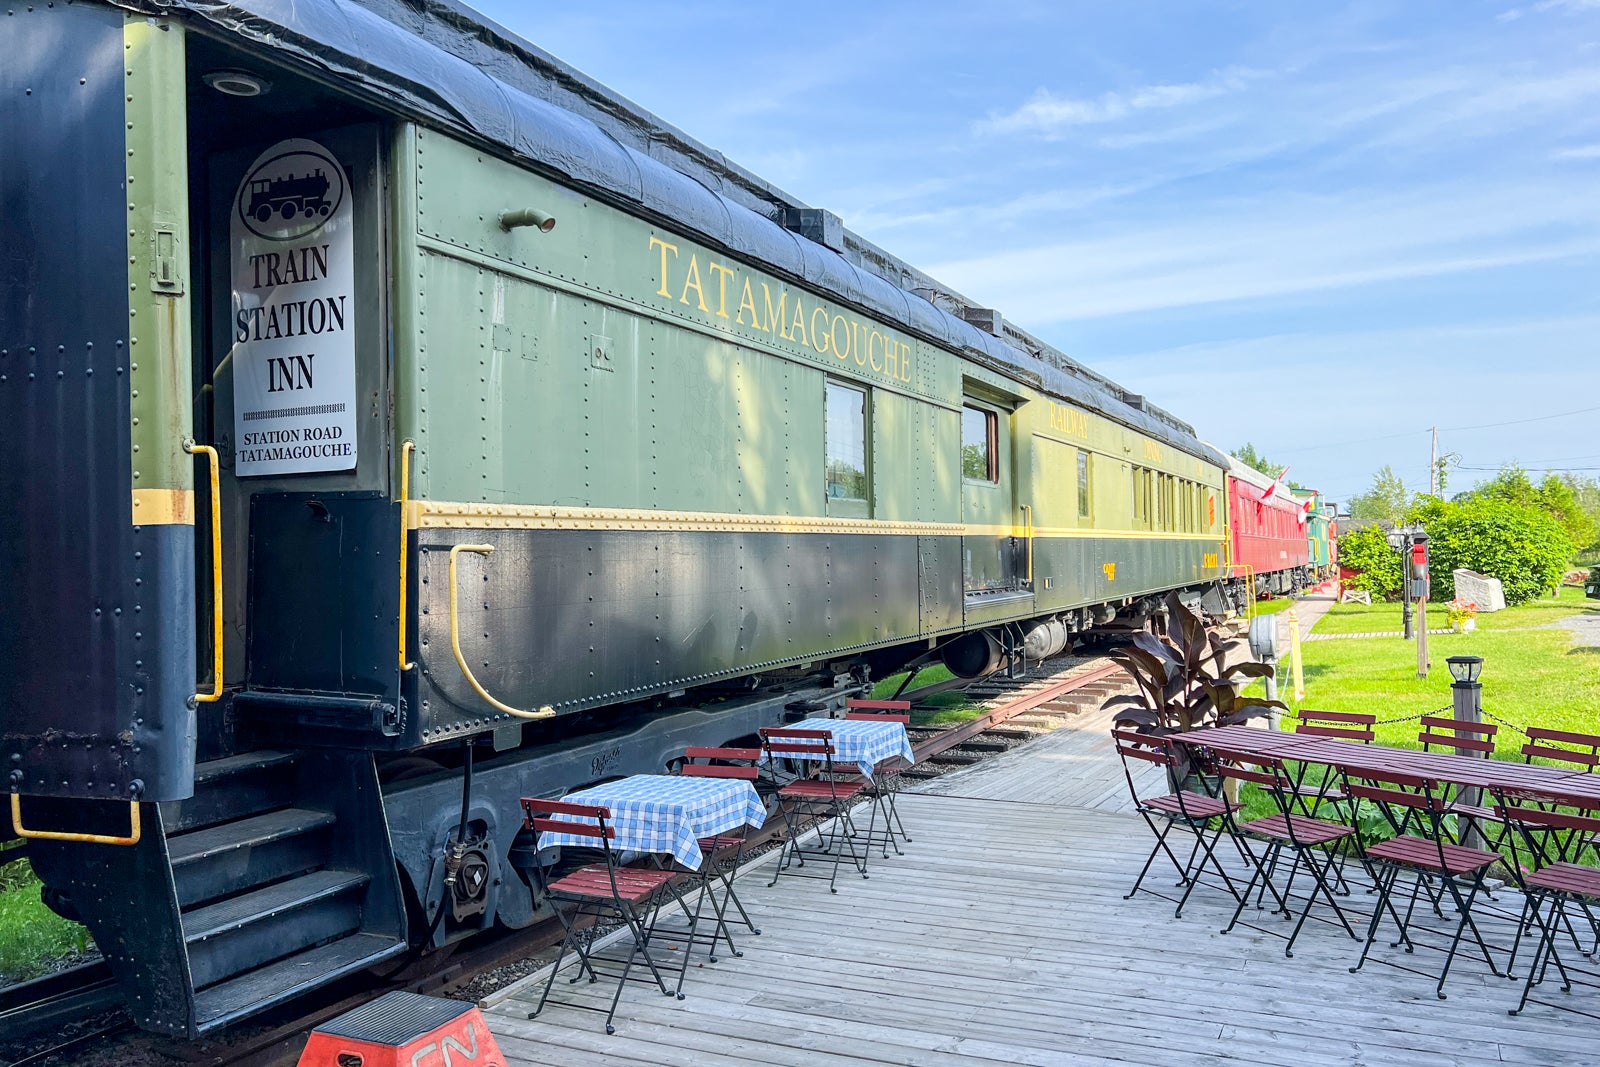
(293, 277)
(1069, 420)
(1208, 561)
(727, 292)
(1110, 570)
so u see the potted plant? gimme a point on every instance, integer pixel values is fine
(1463, 615)
(1186, 683)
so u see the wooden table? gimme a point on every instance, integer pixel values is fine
(1471, 771)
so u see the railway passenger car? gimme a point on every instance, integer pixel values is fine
(1267, 536)
(470, 433)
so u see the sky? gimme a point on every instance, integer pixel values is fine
(1321, 228)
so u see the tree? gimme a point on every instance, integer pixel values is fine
(1556, 496)
(1248, 455)
(1520, 544)
(1366, 551)
(1387, 501)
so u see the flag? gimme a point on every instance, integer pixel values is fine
(1272, 490)
(1305, 510)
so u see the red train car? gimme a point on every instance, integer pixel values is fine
(1266, 531)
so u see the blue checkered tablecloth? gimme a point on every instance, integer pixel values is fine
(667, 813)
(863, 743)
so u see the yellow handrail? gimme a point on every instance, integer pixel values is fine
(1027, 510)
(216, 581)
(135, 828)
(405, 491)
(455, 642)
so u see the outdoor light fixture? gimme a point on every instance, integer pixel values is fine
(527, 216)
(1396, 539)
(237, 82)
(1465, 669)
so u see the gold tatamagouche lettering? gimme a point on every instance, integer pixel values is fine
(723, 274)
(692, 281)
(747, 299)
(656, 242)
(819, 327)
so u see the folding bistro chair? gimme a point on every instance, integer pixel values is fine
(1203, 816)
(1308, 838)
(1465, 737)
(820, 793)
(1342, 726)
(1408, 804)
(723, 763)
(1552, 745)
(885, 781)
(602, 892)
(1555, 842)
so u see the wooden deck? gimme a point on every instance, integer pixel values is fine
(1001, 937)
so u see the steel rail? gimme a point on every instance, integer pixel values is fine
(948, 739)
(66, 996)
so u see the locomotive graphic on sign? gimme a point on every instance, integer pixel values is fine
(287, 196)
(292, 194)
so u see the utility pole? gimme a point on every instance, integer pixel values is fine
(1433, 466)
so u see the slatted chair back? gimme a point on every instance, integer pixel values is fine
(1344, 725)
(903, 706)
(579, 820)
(721, 763)
(1550, 744)
(1146, 748)
(877, 716)
(1552, 827)
(1463, 736)
(812, 749)
(1407, 801)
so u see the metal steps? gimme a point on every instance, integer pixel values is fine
(239, 998)
(273, 901)
(210, 863)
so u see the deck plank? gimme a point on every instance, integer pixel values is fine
(1002, 937)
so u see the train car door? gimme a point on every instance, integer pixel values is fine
(994, 551)
(293, 357)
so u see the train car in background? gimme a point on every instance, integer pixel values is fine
(1265, 532)
(1321, 533)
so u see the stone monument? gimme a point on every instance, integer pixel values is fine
(1479, 589)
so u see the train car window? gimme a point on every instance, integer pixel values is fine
(1083, 485)
(980, 444)
(845, 444)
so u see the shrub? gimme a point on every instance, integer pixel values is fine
(1367, 550)
(1521, 545)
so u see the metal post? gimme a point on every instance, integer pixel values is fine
(1422, 637)
(1466, 699)
(1405, 584)
(1294, 658)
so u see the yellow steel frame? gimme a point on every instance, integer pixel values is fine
(406, 450)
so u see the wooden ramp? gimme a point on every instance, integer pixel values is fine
(1001, 938)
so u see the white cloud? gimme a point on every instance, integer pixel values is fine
(1246, 250)
(1047, 113)
(1588, 151)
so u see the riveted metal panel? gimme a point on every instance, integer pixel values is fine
(91, 608)
(583, 618)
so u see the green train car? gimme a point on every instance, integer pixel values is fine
(469, 434)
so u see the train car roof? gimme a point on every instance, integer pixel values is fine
(450, 67)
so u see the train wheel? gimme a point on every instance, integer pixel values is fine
(264, 212)
(287, 211)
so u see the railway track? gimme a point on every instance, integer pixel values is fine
(1015, 709)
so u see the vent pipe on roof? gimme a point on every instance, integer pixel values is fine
(816, 224)
(988, 320)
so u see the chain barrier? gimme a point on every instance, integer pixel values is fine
(1507, 723)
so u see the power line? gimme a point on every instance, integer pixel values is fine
(1520, 422)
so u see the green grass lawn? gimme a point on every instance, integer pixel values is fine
(31, 935)
(1272, 607)
(942, 709)
(1531, 677)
